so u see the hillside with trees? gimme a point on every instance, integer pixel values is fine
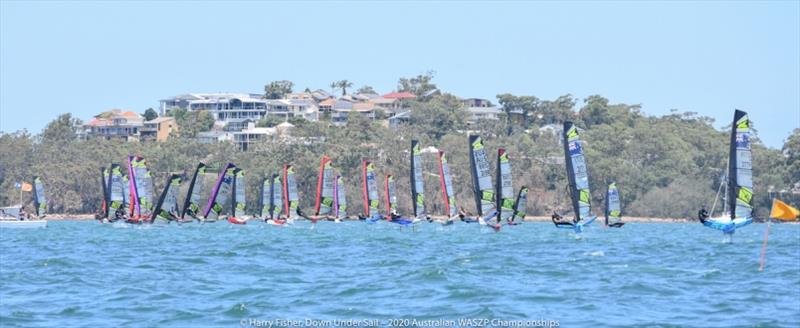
(665, 166)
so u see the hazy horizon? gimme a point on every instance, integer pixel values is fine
(706, 57)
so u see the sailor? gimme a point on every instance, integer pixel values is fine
(463, 215)
(558, 220)
(22, 214)
(702, 214)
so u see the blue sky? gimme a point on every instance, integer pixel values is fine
(708, 57)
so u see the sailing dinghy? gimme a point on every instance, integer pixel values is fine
(166, 209)
(578, 177)
(417, 184)
(370, 192)
(323, 205)
(238, 201)
(275, 211)
(613, 207)
(191, 206)
(738, 211)
(339, 200)
(448, 195)
(482, 186)
(391, 203)
(520, 207)
(220, 194)
(12, 217)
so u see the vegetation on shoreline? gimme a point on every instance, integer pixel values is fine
(665, 166)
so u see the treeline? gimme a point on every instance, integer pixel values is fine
(665, 166)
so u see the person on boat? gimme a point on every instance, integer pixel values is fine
(559, 220)
(464, 216)
(22, 214)
(702, 215)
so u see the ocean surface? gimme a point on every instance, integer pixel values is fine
(84, 274)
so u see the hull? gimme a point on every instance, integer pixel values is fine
(725, 224)
(234, 220)
(31, 224)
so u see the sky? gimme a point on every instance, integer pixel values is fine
(708, 57)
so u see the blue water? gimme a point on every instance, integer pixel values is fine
(87, 274)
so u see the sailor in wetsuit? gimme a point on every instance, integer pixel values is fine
(559, 220)
(463, 215)
(702, 215)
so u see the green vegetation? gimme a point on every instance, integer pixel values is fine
(665, 166)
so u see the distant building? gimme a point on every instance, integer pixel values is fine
(343, 110)
(158, 129)
(399, 118)
(214, 136)
(224, 107)
(247, 137)
(480, 109)
(115, 124)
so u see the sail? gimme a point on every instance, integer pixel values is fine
(576, 172)
(370, 189)
(613, 208)
(134, 193)
(266, 197)
(448, 195)
(116, 189)
(482, 185)
(324, 201)
(391, 196)
(239, 202)
(521, 205)
(340, 201)
(126, 192)
(740, 175)
(417, 181)
(220, 195)
(104, 175)
(276, 200)
(39, 200)
(144, 186)
(167, 206)
(291, 200)
(505, 188)
(195, 193)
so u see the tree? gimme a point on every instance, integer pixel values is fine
(150, 114)
(419, 85)
(278, 89)
(190, 123)
(269, 121)
(791, 149)
(62, 129)
(366, 90)
(442, 115)
(522, 106)
(344, 84)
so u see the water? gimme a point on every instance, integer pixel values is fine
(87, 274)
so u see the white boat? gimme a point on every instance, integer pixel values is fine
(10, 218)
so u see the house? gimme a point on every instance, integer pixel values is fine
(247, 137)
(400, 118)
(115, 124)
(224, 107)
(214, 136)
(480, 109)
(344, 109)
(305, 108)
(158, 129)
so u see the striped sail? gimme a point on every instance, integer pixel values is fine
(221, 194)
(340, 203)
(291, 200)
(39, 199)
(116, 191)
(521, 205)
(576, 172)
(133, 192)
(505, 188)
(239, 202)
(370, 189)
(613, 208)
(482, 185)
(276, 200)
(448, 195)
(324, 201)
(167, 207)
(391, 196)
(192, 203)
(740, 175)
(417, 181)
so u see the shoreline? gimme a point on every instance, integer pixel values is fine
(90, 217)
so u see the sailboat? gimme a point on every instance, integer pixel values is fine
(115, 198)
(370, 192)
(392, 214)
(166, 209)
(504, 191)
(238, 200)
(103, 210)
(578, 177)
(613, 208)
(448, 195)
(482, 186)
(12, 216)
(275, 209)
(191, 206)
(339, 200)
(520, 207)
(141, 184)
(291, 199)
(323, 205)
(739, 184)
(220, 194)
(417, 184)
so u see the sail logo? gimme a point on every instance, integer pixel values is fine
(743, 140)
(574, 148)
